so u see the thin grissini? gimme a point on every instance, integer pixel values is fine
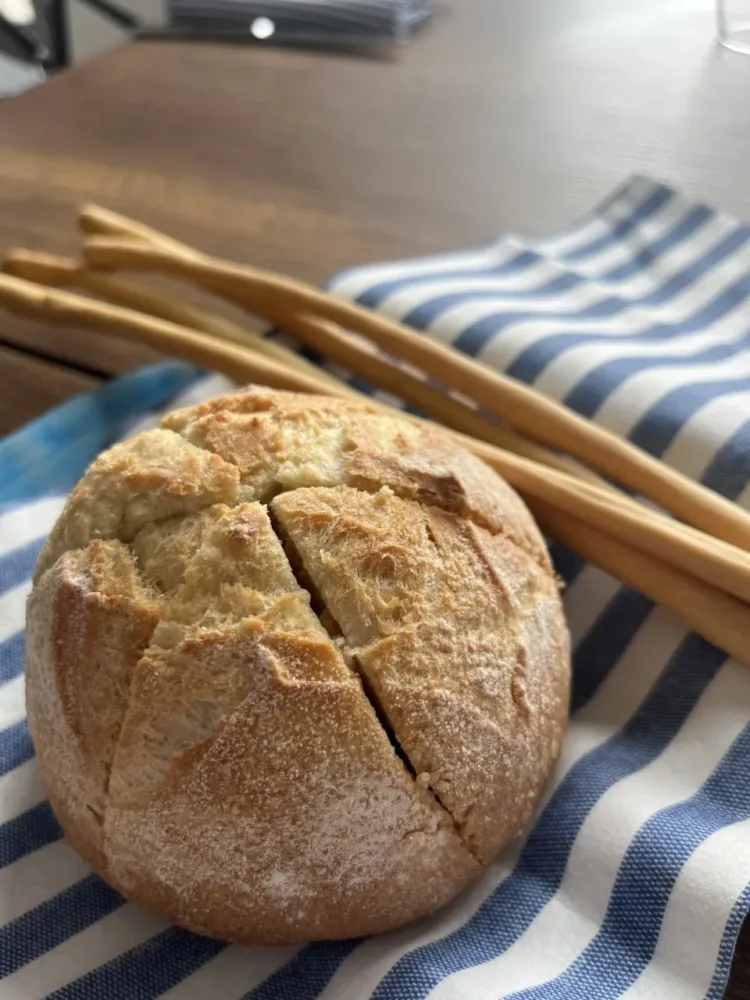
(528, 411)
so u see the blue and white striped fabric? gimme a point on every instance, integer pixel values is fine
(634, 879)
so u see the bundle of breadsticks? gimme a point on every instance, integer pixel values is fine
(685, 546)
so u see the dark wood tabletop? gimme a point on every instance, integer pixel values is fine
(505, 114)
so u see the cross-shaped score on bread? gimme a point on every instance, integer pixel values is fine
(297, 667)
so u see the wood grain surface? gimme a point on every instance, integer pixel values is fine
(29, 386)
(504, 115)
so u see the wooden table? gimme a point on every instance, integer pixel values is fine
(507, 114)
(515, 114)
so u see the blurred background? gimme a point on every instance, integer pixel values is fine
(90, 30)
(39, 37)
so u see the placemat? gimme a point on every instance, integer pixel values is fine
(634, 878)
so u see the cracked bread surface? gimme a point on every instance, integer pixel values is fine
(264, 767)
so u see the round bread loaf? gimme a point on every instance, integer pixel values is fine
(297, 668)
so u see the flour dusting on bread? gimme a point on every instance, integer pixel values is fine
(296, 668)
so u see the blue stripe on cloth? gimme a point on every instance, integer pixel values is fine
(54, 921)
(567, 564)
(476, 336)
(15, 747)
(599, 384)
(737, 917)
(605, 642)
(729, 470)
(375, 296)
(654, 202)
(531, 362)
(606, 967)
(52, 452)
(307, 975)
(358, 383)
(631, 197)
(18, 565)
(687, 275)
(628, 610)
(145, 972)
(650, 252)
(29, 832)
(422, 316)
(657, 428)
(511, 908)
(657, 197)
(11, 657)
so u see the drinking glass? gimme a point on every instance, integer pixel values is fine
(733, 24)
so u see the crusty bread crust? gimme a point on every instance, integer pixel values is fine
(315, 724)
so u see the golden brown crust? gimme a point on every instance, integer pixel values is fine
(89, 619)
(147, 478)
(282, 441)
(460, 635)
(208, 743)
(324, 835)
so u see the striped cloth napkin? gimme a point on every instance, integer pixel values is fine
(634, 879)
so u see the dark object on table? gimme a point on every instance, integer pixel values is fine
(301, 22)
(45, 41)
